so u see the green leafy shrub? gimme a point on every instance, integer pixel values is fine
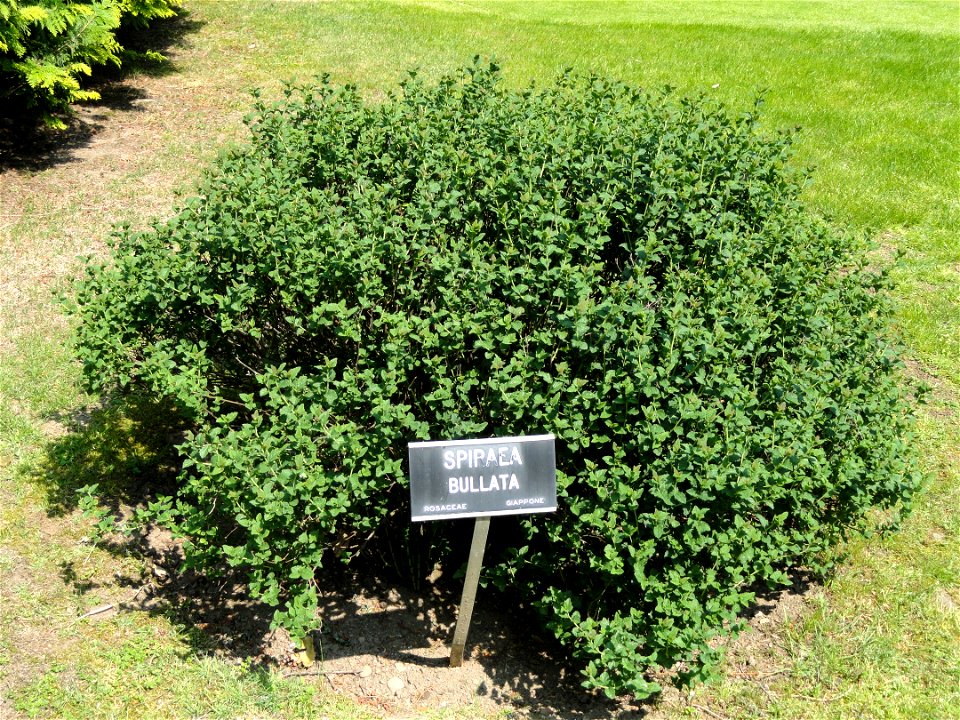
(631, 271)
(47, 46)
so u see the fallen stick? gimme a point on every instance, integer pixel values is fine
(112, 606)
(98, 610)
(328, 673)
(709, 712)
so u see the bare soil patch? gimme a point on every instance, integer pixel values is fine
(943, 401)
(387, 647)
(383, 645)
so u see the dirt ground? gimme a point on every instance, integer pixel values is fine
(388, 648)
(384, 646)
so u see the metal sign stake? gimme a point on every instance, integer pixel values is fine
(474, 563)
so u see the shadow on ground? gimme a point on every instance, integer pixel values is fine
(381, 642)
(374, 629)
(126, 448)
(25, 146)
(375, 633)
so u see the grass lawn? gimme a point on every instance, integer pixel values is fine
(873, 87)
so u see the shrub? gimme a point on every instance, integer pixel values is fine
(631, 271)
(47, 47)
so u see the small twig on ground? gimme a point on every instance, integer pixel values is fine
(328, 673)
(709, 712)
(832, 699)
(136, 594)
(98, 610)
(113, 606)
(754, 675)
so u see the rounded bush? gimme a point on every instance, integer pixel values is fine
(631, 271)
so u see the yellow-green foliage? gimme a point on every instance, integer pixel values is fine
(46, 48)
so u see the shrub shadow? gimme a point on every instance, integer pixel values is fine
(24, 145)
(375, 630)
(802, 582)
(126, 447)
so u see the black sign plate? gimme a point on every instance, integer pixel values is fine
(472, 478)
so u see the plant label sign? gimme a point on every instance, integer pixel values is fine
(474, 478)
